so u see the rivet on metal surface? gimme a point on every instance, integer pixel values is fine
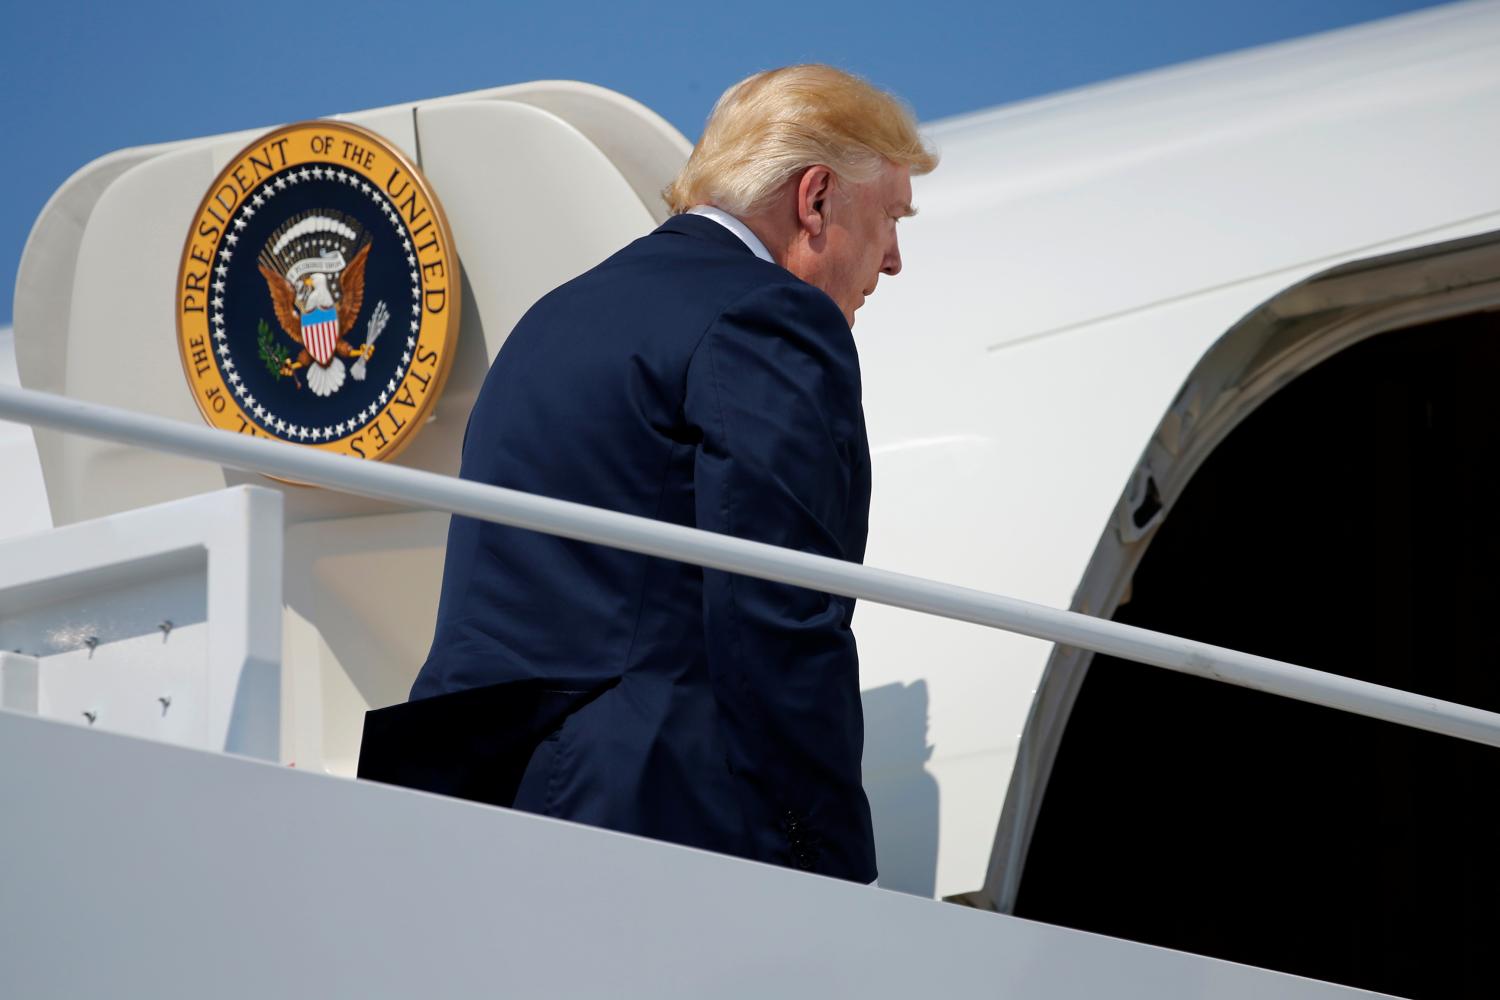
(91, 716)
(166, 629)
(91, 642)
(166, 703)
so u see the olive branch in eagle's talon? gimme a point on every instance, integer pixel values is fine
(276, 357)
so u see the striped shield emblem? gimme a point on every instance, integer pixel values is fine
(320, 333)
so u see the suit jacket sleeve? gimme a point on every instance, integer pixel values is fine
(774, 389)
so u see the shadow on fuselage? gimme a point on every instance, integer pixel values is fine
(903, 796)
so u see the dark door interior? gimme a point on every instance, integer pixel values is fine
(1349, 524)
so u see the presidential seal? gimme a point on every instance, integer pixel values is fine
(318, 294)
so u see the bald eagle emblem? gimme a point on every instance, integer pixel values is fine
(314, 268)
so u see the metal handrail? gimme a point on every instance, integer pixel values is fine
(431, 491)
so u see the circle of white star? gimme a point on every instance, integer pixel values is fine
(239, 220)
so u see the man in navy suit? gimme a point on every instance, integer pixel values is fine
(705, 375)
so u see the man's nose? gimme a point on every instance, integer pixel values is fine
(892, 263)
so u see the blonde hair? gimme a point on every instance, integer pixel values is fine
(772, 125)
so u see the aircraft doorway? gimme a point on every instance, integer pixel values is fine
(1352, 524)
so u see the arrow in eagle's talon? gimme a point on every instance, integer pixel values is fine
(377, 323)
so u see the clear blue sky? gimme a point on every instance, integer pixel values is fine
(79, 80)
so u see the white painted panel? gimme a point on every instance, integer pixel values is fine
(162, 622)
(532, 203)
(23, 494)
(121, 344)
(361, 596)
(140, 869)
(20, 687)
(643, 146)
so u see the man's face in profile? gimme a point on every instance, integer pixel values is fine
(861, 237)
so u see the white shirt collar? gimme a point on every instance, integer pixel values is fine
(736, 227)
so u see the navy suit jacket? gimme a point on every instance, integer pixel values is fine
(687, 380)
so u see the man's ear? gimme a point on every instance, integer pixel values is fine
(814, 197)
